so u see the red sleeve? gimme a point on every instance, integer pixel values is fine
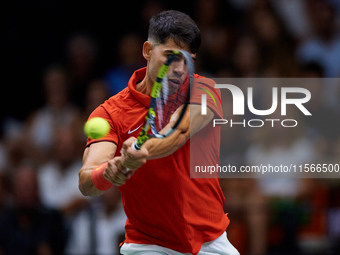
(206, 86)
(101, 111)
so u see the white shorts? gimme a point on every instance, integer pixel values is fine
(219, 246)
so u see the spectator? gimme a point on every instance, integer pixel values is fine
(294, 14)
(27, 226)
(97, 92)
(38, 132)
(216, 41)
(248, 208)
(334, 197)
(130, 58)
(325, 203)
(323, 46)
(282, 146)
(99, 228)
(318, 126)
(82, 64)
(276, 43)
(246, 58)
(58, 178)
(149, 9)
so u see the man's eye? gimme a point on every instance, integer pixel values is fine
(177, 57)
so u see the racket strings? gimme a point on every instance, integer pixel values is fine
(167, 104)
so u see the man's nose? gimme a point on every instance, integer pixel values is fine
(180, 67)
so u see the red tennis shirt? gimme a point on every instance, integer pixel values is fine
(164, 206)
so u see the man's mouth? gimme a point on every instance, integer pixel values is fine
(174, 81)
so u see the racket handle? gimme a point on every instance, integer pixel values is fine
(135, 147)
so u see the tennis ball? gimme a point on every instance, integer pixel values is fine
(96, 128)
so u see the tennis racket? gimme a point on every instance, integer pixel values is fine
(170, 91)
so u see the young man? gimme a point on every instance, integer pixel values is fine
(168, 212)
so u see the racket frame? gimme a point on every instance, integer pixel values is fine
(150, 117)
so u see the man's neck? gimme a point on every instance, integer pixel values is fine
(145, 86)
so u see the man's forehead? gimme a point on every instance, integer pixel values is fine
(171, 45)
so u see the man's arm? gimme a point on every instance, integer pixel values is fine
(159, 148)
(94, 155)
(102, 152)
(192, 122)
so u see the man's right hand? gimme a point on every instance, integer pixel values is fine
(115, 172)
(133, 159)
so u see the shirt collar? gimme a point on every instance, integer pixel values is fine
(138, 76)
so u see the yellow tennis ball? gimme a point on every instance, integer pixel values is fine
(96, 128)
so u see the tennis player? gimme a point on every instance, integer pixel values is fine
(167, 211)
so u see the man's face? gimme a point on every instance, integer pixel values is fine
(178, 69)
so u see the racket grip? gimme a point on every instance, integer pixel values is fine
(135, 147)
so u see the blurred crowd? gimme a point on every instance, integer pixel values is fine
(41, 209)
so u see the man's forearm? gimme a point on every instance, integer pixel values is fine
(192, 122)
(160, 148)
(86, 185)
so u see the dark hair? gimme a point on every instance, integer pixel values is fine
(177, 26)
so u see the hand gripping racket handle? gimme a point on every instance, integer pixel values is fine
(135, 147)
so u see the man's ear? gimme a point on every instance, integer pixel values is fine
(147, 49)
